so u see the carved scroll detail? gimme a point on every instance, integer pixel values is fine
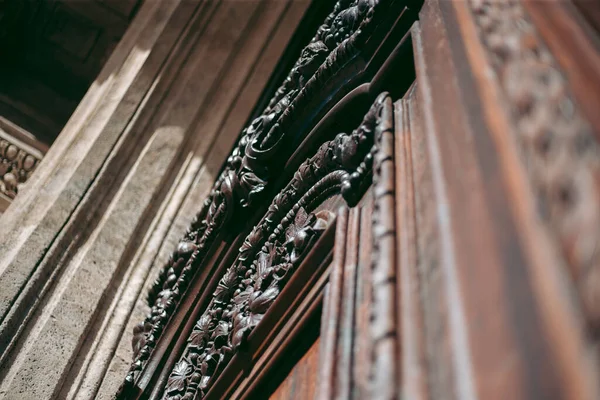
(557, 143)
(269, 255)
(247, 170)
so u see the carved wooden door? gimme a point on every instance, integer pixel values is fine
(413, 214)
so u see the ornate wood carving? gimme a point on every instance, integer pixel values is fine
(270, 254)
(384, 370)
(238, 305)
(557, 143)
(19, 157)
(494, 300)
(260, 151)
(287, 325)
(358, 284)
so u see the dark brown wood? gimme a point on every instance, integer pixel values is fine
(300, 303)
(331, 309)
(471, 269)
(362, 342)
(590, 10)
(336, 365)
(301, 383)
(414, 369)
(346, 314)
(505, 296)
(385, 370)
(360, 313)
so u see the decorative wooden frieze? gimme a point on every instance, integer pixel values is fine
(492, 267)
(558, 145)
(239, 303)
(260, 151)
(19, 156)
(384, 370)
(270, 254)
(359, 331)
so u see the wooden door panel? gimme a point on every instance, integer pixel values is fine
(448, 240)
(197, 291)
(515, 325)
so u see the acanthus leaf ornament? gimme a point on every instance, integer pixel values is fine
(271, 253)
(248, 169)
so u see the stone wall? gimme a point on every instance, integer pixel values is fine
(118, 187)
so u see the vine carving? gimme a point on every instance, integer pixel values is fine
(247, 171)
(270, 254)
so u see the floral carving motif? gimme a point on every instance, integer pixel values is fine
(177, 379)
(247, 171)
(272, 251)
(227, 323)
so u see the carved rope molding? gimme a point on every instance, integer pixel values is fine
(246, 172)
(384, 368)
(557, 144)
(270, 254)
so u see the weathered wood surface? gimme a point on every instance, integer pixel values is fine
(496, 208)
(463, 263)
(507, 290)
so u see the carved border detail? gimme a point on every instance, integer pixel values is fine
(557, 144)
(384, 368)
(248, 168)
(18, 159)
(270, 254)
(375, 343)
